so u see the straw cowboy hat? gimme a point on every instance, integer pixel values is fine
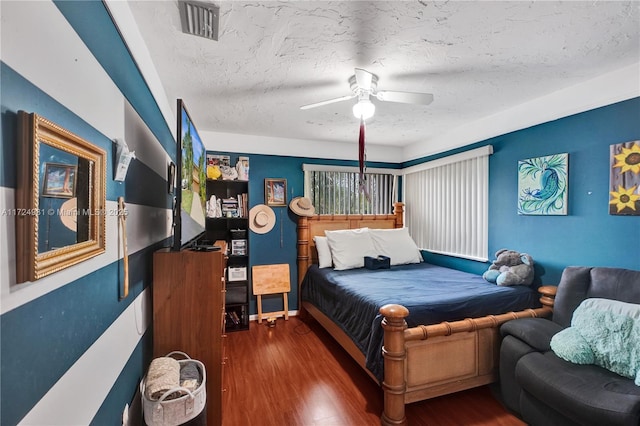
(69, 214)
(261, 219)
(302, 206)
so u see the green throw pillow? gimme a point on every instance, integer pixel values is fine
(603, 332)
(571, 346)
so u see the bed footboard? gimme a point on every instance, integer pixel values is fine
(428, 361)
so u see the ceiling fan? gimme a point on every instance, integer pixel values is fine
(365, 84)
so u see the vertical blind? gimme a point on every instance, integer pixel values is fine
(336, 190)
(447, 204)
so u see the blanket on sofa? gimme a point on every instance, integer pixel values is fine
(603, 332)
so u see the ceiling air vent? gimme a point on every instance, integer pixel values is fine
(200, 19)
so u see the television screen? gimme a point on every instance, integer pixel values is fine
(191, 193)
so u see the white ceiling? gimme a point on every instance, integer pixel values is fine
(477, 58)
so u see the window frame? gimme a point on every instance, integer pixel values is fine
(394, 173)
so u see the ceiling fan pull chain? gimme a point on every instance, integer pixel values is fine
(361, 160)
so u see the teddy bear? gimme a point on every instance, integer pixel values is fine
(510, 268)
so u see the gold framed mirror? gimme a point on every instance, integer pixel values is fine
(60, 198)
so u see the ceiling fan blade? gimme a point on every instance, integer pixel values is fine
(363, 79)
(328, 101)
(405, 97)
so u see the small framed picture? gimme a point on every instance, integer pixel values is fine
(59, 180)
(275, 192)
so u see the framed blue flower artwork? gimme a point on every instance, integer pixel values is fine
(543, 184)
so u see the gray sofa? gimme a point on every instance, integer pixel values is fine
(547, 390)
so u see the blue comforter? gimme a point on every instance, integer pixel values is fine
(432, 294)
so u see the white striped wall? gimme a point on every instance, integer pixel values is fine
(77, 396)
(145, 226)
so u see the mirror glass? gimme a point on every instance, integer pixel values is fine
(65, 205)
(60, 199)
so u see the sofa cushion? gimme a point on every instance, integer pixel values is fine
(536, 332)
(580, 282)
(572, 289)
(615, 283)
(538, 414)
(511, 350)
(587, 394)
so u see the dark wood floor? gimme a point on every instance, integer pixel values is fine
(295, 374)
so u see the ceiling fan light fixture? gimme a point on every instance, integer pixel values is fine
(364, 109)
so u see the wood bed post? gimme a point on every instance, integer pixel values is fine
(398, 211)
(394, 354)
(303, 252)
(548, 295)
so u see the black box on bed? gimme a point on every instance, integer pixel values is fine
(380, 262)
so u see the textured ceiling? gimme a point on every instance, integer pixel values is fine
(477, 58)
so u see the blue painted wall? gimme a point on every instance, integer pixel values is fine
(588, 235)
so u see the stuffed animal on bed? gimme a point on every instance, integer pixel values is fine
(510, 268)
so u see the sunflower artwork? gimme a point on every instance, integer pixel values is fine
(625, 179)
(542, 185)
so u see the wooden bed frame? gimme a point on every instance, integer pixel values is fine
(424, 361)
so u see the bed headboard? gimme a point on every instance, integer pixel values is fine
(309, 227)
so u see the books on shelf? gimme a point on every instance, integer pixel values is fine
(243, 210)
(232, 207)
(233, 317)
(229, 204)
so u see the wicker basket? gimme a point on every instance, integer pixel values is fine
(175, 411)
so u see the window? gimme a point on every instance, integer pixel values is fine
(447, 204)
(336, 189)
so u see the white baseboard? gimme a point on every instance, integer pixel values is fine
(254, 317)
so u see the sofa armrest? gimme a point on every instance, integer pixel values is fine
(536, 332)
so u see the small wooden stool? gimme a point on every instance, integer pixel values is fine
(271, 279)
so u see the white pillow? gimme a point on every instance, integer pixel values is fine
(324, 253)
(397, 244)
(349, 247)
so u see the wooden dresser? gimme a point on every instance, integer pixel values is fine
(188, 314)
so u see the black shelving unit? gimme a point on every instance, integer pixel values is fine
(233, 227)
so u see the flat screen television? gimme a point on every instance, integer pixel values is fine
(191, 189)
